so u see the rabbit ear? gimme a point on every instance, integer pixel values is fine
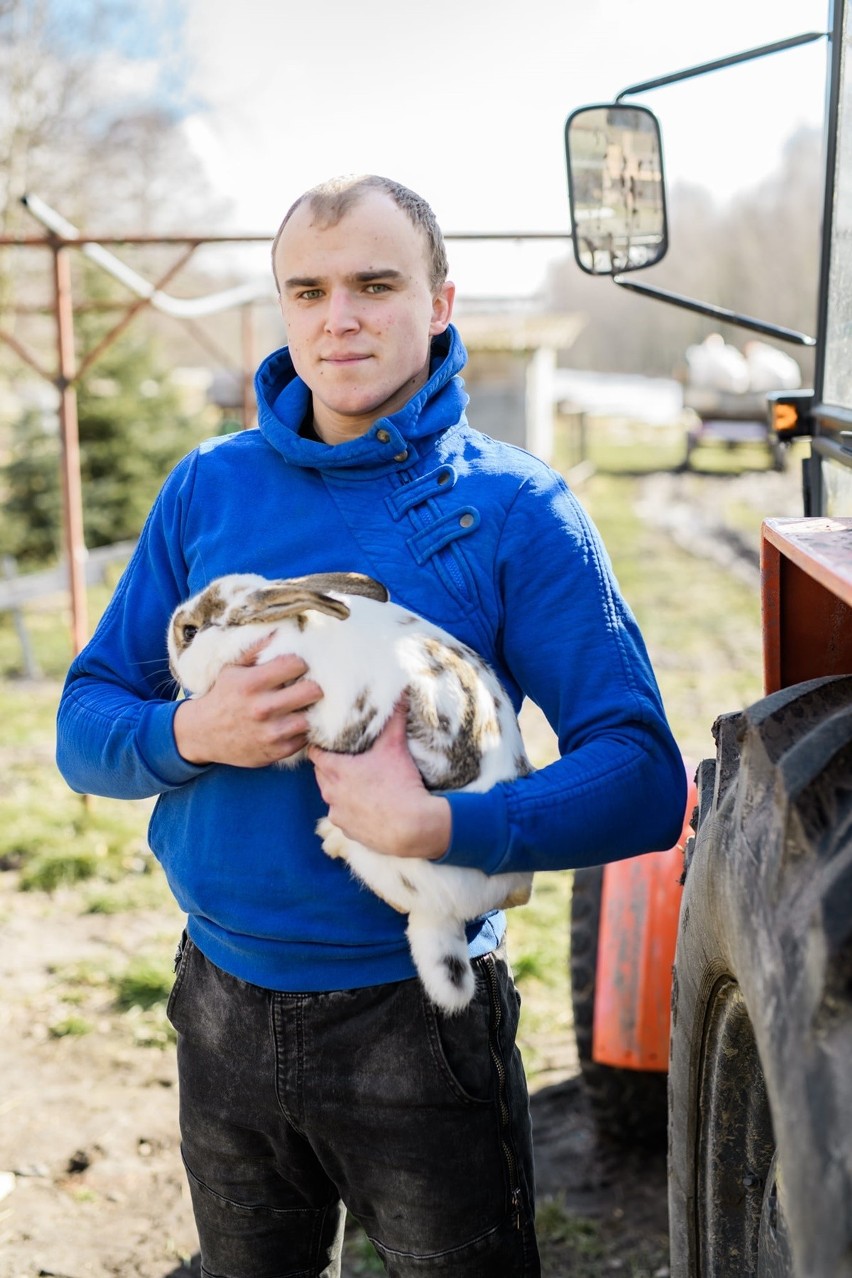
(347, 583)
(281, 599)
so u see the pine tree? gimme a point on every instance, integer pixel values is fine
(30, 524)
(132, 431)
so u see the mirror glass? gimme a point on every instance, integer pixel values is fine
(616, 189)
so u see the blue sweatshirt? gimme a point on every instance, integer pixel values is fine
(480, 537)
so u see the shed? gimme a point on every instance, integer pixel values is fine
(510, 374)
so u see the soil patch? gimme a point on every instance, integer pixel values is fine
(91, 1184)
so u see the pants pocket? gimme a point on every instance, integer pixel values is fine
(183, 956)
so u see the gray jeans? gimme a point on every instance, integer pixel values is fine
(292, 1105)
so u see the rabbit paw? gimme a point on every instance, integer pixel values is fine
(334, 841)
(379, 873)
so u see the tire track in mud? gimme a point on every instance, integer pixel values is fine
(718, 517)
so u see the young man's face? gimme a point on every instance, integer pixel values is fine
(359, 310)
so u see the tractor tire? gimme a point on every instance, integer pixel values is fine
(760, 1078)
(628, 1105)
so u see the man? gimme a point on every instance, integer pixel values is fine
(313, 1070)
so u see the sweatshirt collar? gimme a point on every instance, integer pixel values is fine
(284, 401)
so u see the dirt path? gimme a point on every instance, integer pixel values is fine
(88, 1121)
(718, 517)
(89, 1165)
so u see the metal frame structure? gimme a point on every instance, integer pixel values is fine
(721, 313)
(60, 238)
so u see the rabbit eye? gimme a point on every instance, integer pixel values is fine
(189, 633)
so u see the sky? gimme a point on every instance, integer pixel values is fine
(466, 100)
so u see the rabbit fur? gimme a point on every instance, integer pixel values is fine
(366, 653)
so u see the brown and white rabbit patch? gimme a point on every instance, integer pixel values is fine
(365, 653)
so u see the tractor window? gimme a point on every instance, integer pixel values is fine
(837, 386)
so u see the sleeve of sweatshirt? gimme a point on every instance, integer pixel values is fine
(115, 732)
(619, 786)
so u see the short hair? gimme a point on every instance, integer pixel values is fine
(330, 201)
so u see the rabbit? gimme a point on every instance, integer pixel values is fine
(366, 653)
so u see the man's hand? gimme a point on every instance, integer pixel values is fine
(252, 716)
(378, 798)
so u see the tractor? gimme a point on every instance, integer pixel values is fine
(712, 984)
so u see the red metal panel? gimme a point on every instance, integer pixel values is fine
(636, 945)
(807, 599)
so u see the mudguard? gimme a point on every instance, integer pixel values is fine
(640, 904)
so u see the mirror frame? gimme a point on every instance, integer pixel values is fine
(575, 228)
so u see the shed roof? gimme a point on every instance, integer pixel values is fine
(520, 332)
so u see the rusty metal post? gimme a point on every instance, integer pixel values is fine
(75, 547)
(247, 329)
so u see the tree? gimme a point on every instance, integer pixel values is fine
(92, 115)
(30, 522)
(91, 112)
(92, 109)
(132, 431)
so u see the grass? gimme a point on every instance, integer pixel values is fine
(701, 627)
(362, 1259)
(556, 1225)
(145, 983)
(538, 946)
(132, 996)
(53, 837)
(71, 1027)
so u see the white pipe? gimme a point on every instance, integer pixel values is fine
(180, 307)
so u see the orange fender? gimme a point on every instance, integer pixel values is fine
(640, 903)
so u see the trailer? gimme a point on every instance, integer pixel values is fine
(729, 420)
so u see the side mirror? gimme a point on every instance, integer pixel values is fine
(616, 189)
